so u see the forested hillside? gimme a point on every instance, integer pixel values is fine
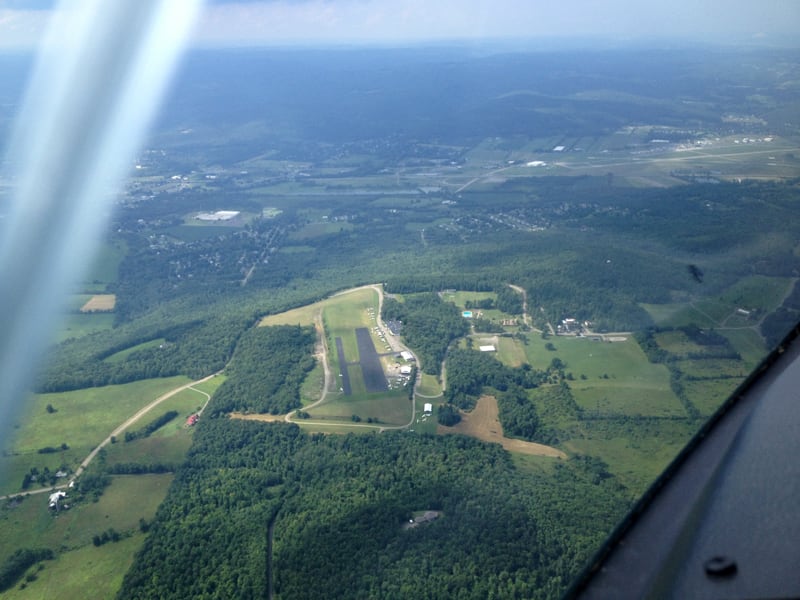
(335, 507)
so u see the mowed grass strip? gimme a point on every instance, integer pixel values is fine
(390, 408)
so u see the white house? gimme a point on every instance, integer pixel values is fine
(428, 407)
(55, 497)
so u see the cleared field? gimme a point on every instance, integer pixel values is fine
(429, 386)
(389, 408)
(713, 368)
(610, 377)
(100, 303)
(510, 351)
(80, 568)
(123, 354)
(637, 462)
(709, 394)
(79, 324)
(748, 343)
(82, 419)
(483, 423)
(677, 315)
(635, 398)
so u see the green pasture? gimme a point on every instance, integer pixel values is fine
(636, 460)
(423, 423)
(80, 568)
(712, 368)
(124, 354)
(311, 389)
(755, 292)
(758, 292)
(511, 351)
(77, 325)
(86, 570)
(460, 298)
(429, 385)
(637, 397)
(106, 262)
(390, 408)
(709, 394)
(618, 377)
(165, 449)
(748, 343)
(314, 230)
(83, 418)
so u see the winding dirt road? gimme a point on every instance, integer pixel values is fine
(139, 414)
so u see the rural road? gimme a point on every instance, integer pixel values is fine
(139, 414)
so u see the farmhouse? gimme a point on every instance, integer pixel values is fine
(192, 420)
(55, 497)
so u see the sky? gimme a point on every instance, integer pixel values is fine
(270, 22)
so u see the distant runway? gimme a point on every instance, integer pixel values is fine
(343, 366)
(374, 378)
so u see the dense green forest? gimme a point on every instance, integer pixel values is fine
(335, 508)
(266, 370)
(429, 326)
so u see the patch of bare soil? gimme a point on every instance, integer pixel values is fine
(484, 423)
(268, 418)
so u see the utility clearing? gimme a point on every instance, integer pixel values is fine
(483, 422)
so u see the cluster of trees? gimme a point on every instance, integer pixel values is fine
(109, 535)
(195, 348)
(331, 510)
(470, 371)
(151, 427)
(15, 566)
(429, 326)
(266, 371)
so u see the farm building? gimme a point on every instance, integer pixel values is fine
(487, 348)
(55, 497)
(405, 370)
(406, 355)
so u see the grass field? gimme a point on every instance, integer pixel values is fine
(709, 394)
(637, 462)
(82, 419)
(618, 377)
(123, 354)
(748, 343)
(79, 324)
(390, 408)
(82, 570)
